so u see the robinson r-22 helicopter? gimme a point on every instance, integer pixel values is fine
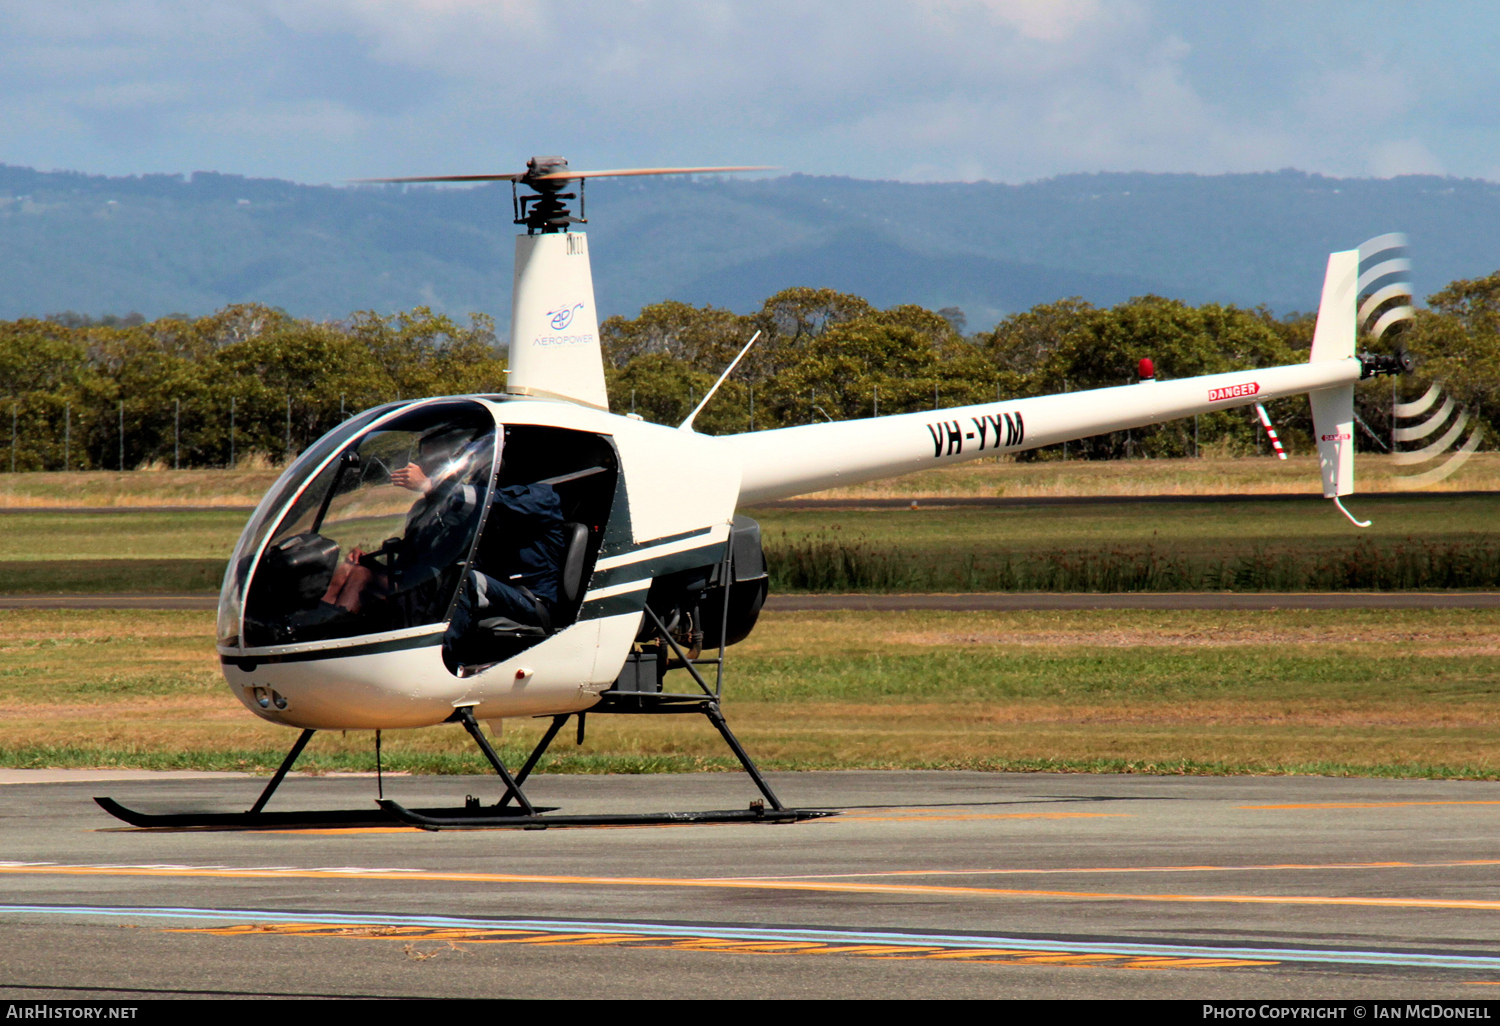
(392, 577)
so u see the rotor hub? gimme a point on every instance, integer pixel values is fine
(546, 211)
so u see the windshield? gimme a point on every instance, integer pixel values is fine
(379, 539)
(232, 594)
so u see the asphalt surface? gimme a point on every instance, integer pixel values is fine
(928, 885)
(964, 603)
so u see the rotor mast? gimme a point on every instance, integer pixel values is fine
(554, 327)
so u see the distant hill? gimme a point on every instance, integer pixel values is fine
(158, 244)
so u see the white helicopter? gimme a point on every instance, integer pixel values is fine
(376, 585)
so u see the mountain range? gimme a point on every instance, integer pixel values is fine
(159, 244)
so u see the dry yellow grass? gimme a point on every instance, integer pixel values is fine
(134, 488)
(1388, 692)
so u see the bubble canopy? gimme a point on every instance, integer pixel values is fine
(369, 531)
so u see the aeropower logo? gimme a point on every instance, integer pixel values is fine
(563, 316)
(560, 319)
(1233, 391)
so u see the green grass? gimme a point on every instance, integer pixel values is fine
(1210, 475)
(105, 576)
(1416, 541)
(116, 552)
(242, 487)
(1134, 674)
(207, 534)
(264, 761)
(1400, 693)
(1182, 526)
(1292, 545)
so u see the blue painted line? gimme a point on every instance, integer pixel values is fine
(1401, 959)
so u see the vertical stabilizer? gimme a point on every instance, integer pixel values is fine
(1333, 338)
(554, 332)
(1333, 408)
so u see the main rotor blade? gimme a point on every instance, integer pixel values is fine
(445, 178)
(620, 173)
(630, 172)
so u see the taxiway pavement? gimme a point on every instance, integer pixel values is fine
(927, 885)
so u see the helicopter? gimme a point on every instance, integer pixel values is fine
(350, 601)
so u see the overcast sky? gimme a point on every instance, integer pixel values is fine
(1006, 90)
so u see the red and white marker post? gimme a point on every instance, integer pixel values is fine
(1265, 420)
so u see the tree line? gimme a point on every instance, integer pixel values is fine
(248, 379)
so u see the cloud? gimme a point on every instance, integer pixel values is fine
(1403, 157)
(323, 90)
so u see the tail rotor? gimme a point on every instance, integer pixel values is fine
(1385, 308)
(1455, 417)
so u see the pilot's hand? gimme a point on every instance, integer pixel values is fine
(412, 477)
(355, 554)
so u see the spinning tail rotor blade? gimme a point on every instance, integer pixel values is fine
(1384, 285)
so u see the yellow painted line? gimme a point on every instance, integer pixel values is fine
(925, 818)
(717, 945)
(1360, 805)
(1086, 870)
(927, 890)
(324, 831)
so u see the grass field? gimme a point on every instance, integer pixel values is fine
(1297, 475)
(116, 552)
(1286, 544)
(1385, 693)
(136, 488)
(1415, 541)
(985, 477)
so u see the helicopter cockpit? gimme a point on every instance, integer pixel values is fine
(375, 527)
(377, 539)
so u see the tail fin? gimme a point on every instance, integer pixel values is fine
(1333, 408)
(554, 334)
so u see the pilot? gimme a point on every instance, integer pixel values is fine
(437, 522)
(518, 570)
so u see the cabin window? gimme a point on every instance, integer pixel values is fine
(379, 539)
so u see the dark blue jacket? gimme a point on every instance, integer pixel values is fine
(523, 539)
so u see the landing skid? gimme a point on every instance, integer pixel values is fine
(441, 819)
(474, 816)
(376, 817)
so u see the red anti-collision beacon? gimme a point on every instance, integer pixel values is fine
(1147, 368)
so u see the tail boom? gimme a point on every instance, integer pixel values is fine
(797, 460)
